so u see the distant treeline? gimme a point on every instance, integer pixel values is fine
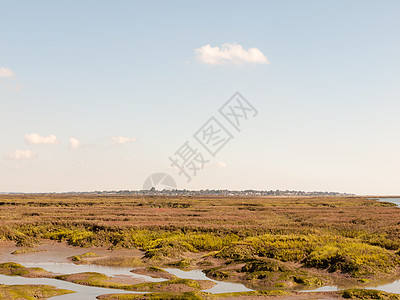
(184, 192)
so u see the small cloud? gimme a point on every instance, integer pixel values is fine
(221, 165)
(230, 54)
(74, 143)
(120, 140)
(35, 139)
(21, 154)
(6, 73)
(12, 87)
(17, 87)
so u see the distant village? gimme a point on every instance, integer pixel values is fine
(176, 192)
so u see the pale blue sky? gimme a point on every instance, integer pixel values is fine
(328, 101)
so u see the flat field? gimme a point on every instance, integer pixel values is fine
(267, 243)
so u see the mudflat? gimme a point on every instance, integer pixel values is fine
(270, 244)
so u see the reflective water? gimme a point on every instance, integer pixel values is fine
(393, 287)
(81, 291)
(55, 260)
(392, 200)
(70, 268)
(219, 287)
(327, 288)
(86, 292)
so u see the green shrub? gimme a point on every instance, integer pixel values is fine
(308, 280)
(264, 265)
(354, 258)
(368, 294)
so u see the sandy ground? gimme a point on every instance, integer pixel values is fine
(56, 252)
(52, 251)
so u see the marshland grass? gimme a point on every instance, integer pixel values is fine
(269, 294)
(14, 269)
(354, 236)
(368, 294)
(80, 258)
(122, 261)
(191, 295)
(101, 280)
(26, 251)
(30, 292)
(154, 272)
(159, 296)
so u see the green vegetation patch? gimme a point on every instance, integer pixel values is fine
(267, 272)
(368, 294)
(30, 292)
(357, 259)
(101, 280)
(156, 269)
(333, 253)
(94, 279)
(174, 245)
(182, 264)
(26, 251)
(80, 258)
(119, 262)
(254, 293)
(183, 285)
(160, 296)
(74, 237)
(23, 240)
(14, 269)
(154, 272)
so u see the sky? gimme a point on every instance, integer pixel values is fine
(100, 95)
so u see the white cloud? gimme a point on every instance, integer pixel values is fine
(13, 87)
(36, 139)
(74, 143)
(6, 73)
(230, 54)
(21, 154)
(221, 165)
(120, 140)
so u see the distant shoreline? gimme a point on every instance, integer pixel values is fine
(171, 192)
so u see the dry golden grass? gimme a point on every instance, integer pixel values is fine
(243, 216)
